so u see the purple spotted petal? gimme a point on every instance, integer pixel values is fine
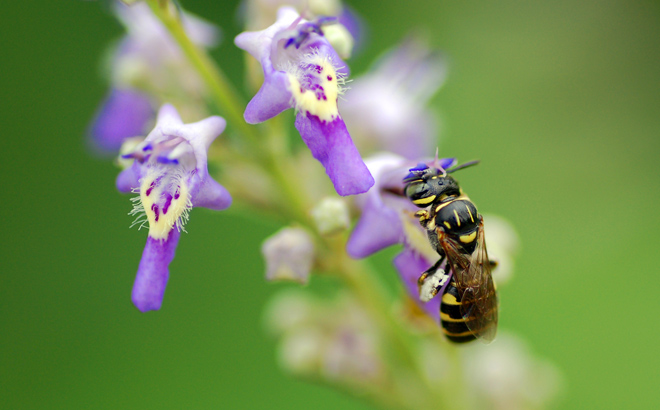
(124, 114)
(321, 45)
(379, 227)
(410, 265)
(153, 272)
(170, 161)
(273, 98)
(331, 145)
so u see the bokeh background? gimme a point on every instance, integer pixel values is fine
(560, 100)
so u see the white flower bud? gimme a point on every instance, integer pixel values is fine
(331, 216)
(507, 376)
(502, 243)
(289, 255)
(340, 39)
(289, 310)
(127, 147)
(300, 352)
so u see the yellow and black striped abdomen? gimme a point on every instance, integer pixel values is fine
(453, 324)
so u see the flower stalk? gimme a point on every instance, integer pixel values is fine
(356, 275)
(398, 355)
(225, 96)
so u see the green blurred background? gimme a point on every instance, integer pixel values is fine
(560, 100)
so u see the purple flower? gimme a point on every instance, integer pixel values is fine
(302, 70)
(386, 220)
(125, 113)
(170, 173)
(410, 265)
(147, 68)
(385, 109)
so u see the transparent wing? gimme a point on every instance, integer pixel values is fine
(474, 282)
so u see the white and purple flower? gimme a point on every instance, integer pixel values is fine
(344, 37)
(386, 108)
(148, 68)
(170, 173)
(386, 220)
(303, 71)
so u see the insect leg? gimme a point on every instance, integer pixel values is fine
(430, 271)
(432, 281)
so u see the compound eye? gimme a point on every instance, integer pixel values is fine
(420, 193)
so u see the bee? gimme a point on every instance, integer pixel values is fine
(456, 231)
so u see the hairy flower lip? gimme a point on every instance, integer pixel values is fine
(170, 174)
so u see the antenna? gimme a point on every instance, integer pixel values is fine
(462, 166)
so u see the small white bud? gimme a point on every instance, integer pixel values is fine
(340, 39)
(289, 255)
(301, 351)
(127, 147)
(289, 310)
(331, 216)
(503, 243)
(320, 7)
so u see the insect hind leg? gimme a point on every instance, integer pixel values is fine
(432, 281)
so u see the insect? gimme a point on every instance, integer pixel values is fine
(456, 231)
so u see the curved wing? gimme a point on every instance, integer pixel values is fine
(474, 282)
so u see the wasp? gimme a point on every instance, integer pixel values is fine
(455, 229)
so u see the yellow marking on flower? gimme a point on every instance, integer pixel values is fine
(325, 109)
(178, 208)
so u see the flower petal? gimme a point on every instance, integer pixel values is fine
(273, 98)
(379, 227)
(350, 19)
(212, 195)
(331, 145)
(128, 179)
(124, 114)
(410, 266)
(153, 272)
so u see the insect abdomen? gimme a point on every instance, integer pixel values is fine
(453, 324)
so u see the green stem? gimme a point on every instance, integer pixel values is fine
(224, 95)
(275, 157)
(368, 287)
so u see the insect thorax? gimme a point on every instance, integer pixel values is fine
(459, 219)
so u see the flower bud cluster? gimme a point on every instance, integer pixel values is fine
(333, 340)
